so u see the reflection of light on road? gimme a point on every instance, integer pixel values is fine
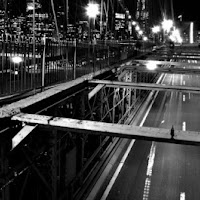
(149, 171)
(182, 196)
(151, 159)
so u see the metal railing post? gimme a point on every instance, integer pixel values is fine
(43, 62)
(74, 68)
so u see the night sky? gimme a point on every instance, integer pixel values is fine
(190, 10)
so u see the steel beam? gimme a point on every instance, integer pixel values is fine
(147, 86)
(95, 90)
(110, 129)
(26, 130)
(52, 93)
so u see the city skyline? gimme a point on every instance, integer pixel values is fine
(188, 11)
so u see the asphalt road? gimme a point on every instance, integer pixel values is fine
(164, 171)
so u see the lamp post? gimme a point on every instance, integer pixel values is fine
(31, 6)
(155, 30)
(167, 24)
(92, 10)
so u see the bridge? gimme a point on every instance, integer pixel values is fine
(120, 132)
(106, 108)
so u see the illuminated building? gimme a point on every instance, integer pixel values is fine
(142, 14)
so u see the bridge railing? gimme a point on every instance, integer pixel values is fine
(26, 65)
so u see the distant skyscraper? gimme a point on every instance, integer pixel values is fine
(142, 14)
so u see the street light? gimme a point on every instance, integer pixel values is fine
(145, 38)
(134, 23)
(176, 36)
(151, 65)
(137, 28)
(17, 59)
(92, 10)
(167, 24)
(140, 32)
(155, 30)
(30, 7)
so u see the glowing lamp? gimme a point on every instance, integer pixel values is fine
(151, 65)
(17, 59)
(92, 10)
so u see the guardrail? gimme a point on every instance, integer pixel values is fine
(25, 65)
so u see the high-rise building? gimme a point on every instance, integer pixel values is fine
(43, 23)
(142, 14)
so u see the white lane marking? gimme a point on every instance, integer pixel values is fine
(146, 190)
(149, 171)
(183, 82)
(189, 95)
(151, 159)
(112, 181)
(184, 126)
(182, 196)
(183, 97)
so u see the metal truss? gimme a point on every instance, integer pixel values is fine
(114, 103)
(45, 151)
(3, 171)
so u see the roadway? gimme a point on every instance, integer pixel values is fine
(155, 171)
